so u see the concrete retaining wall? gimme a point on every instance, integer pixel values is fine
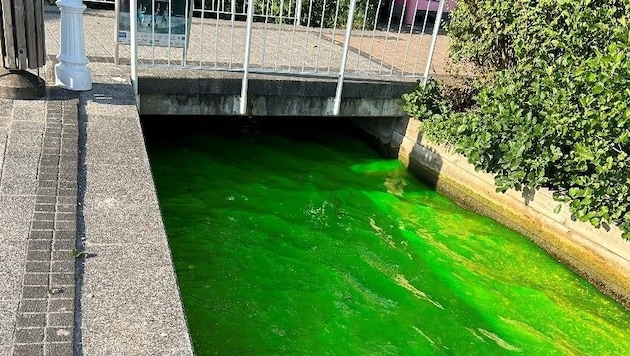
(600, 255)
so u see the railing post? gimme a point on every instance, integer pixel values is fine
(116, 31)
(436, 28)
(298, 11)
(248, 45)
(133, 24)
(72, 71)
(344, 58)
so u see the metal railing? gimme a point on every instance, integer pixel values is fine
(331, 38)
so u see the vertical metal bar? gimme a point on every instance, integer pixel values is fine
(295, 23)
(279, 33)
(400, 23)
(152, 32)
(436, 28)
(170, 23)
(389, 24)
(367, 6)
(378, 12)
(187, 17)
(308, 27)
(319, 39)
(232, 33)
(116, 30)
(201, 38)
(413, 24)
(264, 49)
(216, 40)
(248, 44)
(133, 24)
(298, 11)
(344, 57)
(332, 37)
(424, 27)
(233, 11)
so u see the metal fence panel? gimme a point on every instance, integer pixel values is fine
(333, 38)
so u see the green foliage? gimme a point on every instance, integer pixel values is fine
(325, 11)
(322, 12)
(482, 32)
(437, 101)
(426, 101)
(556, 113)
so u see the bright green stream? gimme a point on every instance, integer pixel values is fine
(306, 242)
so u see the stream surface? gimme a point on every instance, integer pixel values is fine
(304, 241)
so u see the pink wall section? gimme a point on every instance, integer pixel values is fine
(432, 5)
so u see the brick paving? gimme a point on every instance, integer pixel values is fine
(38, 186)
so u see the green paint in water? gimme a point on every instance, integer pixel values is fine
(294, 243)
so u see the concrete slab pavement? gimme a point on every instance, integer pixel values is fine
(129, 298)
(85, 267)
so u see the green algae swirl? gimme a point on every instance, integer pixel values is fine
(306, 242)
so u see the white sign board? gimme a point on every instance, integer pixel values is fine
(160, 23)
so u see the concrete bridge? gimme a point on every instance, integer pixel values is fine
(261, 63)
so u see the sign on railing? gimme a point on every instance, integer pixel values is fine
(161, 23)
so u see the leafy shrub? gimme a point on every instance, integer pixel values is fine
(438, 101)
(425, 102)
(476, 34)
(556, 113)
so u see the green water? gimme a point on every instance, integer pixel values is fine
(306, 242)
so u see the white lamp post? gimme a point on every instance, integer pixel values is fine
(72, 71)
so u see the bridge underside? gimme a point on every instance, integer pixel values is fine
(218, 93)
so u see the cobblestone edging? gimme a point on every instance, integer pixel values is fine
(45, 318)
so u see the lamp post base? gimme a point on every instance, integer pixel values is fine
(72, 72)
(73, 77)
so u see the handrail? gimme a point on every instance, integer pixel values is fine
(270, 36)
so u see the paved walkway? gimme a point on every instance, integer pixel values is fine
(85, 267)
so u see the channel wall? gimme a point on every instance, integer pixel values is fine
(600, 255)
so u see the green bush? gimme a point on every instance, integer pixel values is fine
(556, 113)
